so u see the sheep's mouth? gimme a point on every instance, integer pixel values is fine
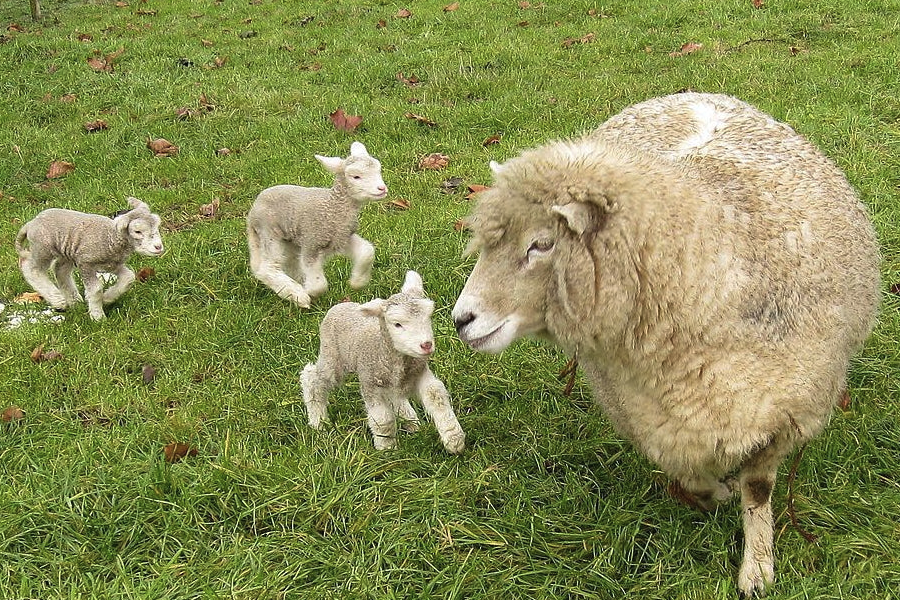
(490, 341)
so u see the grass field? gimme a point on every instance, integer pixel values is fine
(546, 502)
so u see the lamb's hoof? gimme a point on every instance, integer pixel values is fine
(455, 442)
(385, 443)
(300, 299)
(754, 578)
(410, 426)
(357, 282)
(97, 316)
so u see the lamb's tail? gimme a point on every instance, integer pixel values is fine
(24, 252)
(255, 250)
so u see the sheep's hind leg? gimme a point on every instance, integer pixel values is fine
(436, 401)
(757, 479)
(66, 282)
(124, 279)
(313, 270)
(381, 417)
(317, 384)
(362, 255)
(266, 265)
(34, 269)
(93, 294)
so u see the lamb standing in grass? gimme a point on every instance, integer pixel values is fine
(292, 230)
(387, 343)
(67, 239)
(712, 271)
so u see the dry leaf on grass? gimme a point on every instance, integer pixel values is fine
(475, 189)
(343, 121)
(687, 48)
(98, 125)
(28, 297)
(844, 402)
(176, 451)
(148, 374)
(162, 147)
(434, 161)
(451, 7)
(223, 152)
(145, 273)
(411, 81)
(460, 225)
(105, 63)
(59, 168)
(420, 119)
(401, 203)
(494, 139)
(12, 413)
(38, 355)
(585, 39)
(211, 210)
(403, 13)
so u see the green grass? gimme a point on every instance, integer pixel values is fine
(546, 502)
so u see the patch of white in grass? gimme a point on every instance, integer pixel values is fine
(27, 314)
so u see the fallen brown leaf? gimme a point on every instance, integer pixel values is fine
(460, 225)
(411, 81)
(422, 120)
(403, 13)
(12, 413)
(210, 210)
(146, 12)
(434, 161)
(687, 48)
(15, 27)
(84, 37)
(145, 273)
(585, 39)
(105, 63)
(176, 451)
(401, 203)
(68, 98)
(38, 355)
(28, 297)
(381, 24)
(494, 139)
(148, 374)
(59, 168)
(184, 113)
(98, 125)
(218, 62)
(475, 189)
(206, 104)
(223, 152)
(844, 402)
(758, 3)
(524, 4)
(343, 121)
(451, 7)
(206, 43)
(162, 147)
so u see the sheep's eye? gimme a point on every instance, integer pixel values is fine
(357, 177)
(540, 247)
(398, 325)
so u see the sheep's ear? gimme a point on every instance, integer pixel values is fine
(358, 150)
(579, 216)
(121, 222)
(495, 167)
(137, 204)
(413, 284)
(372, 308)
(334, 164)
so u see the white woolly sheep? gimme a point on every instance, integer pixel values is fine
(387, 343)
(67, 239)
(293, 230)
(712, 272)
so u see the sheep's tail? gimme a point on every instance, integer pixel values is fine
(255, 250)
(20, 246)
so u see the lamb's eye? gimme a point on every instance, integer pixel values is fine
(357, 177)
(398, 325)
(540, 247)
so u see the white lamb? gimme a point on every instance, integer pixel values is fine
(292, 230)
(387, 343)
(712, 271)
(67, 239)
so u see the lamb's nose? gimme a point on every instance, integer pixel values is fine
(426, 347)
(463, 320)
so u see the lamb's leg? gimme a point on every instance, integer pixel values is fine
(266, 265)
(405, 411)
(362, 255)
(436, 401)
(124, 278)
(34, 270)
(317, 381)
(313, 268)
(93, 294)
(66, 282)
(757, 479)
(381, 417)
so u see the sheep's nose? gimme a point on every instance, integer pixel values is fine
(463, 320)
(382, 188)
(426, 347)
(158, 247)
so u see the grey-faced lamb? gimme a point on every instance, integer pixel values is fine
(387, 343)
(293, 230)
(711, 270)
(66, 239)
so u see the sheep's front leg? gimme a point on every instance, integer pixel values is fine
(34, 270)
(66, 282)
(436, 401)
(362, 255)
(757, 479)
(317, 382)
(381, 417)
(93, 294)
(405, 411)
(124, 279)
(313, 268)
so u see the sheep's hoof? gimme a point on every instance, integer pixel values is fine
(97, 316)
(357, 282)
(410, 426)
(301, 299)
(455, 442)
(754, 578)
(385, 443)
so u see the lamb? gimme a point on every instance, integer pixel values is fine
(711, 270)
(67, 239)
(292, 230)
(387, 343)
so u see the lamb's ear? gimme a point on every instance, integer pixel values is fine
(372, 308)
(358, 150)
(138, 205)
(413, 284)
(122, 221)
(495, 167)
(335, 164)
(581, 217)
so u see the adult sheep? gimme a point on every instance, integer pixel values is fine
(711, 270)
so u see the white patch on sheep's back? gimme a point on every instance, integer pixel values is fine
(709, 120)
(11, 318)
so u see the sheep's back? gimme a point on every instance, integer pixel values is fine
(81, 237)
(299, 213)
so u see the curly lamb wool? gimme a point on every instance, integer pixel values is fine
(712, 271)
